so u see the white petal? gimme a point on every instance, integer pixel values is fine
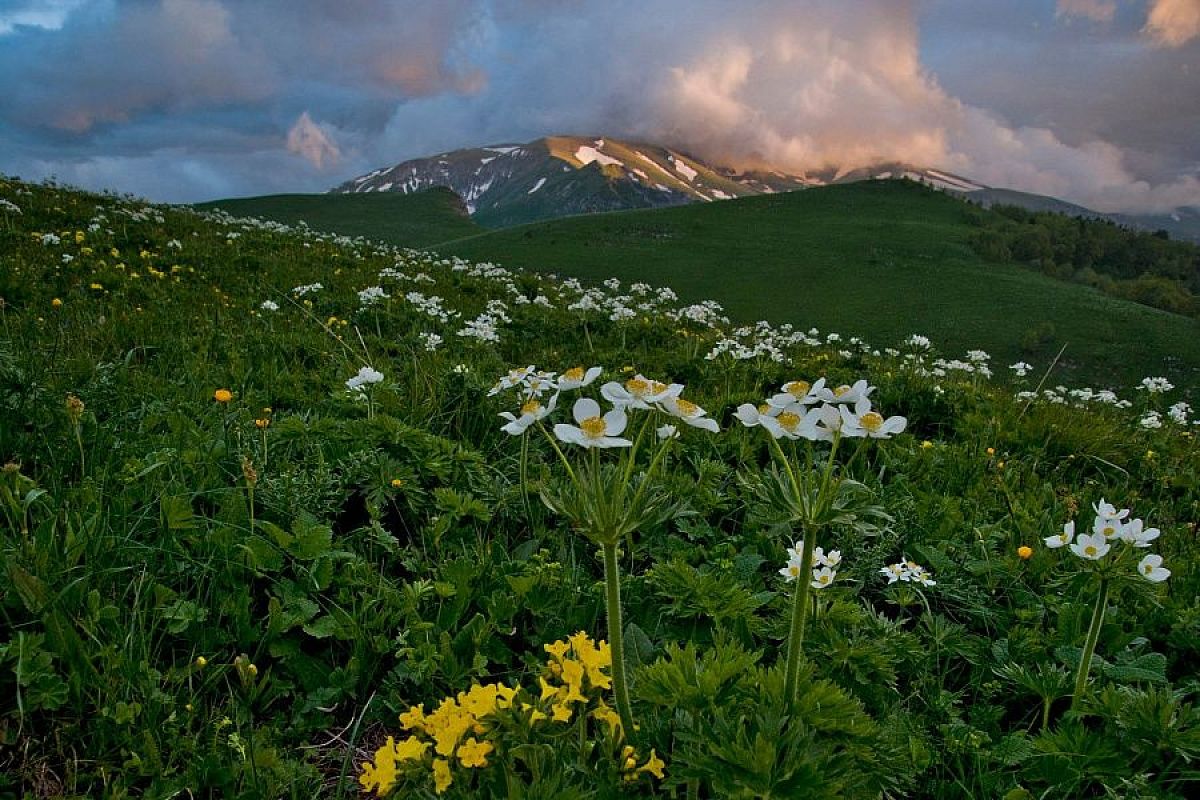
(585, 408)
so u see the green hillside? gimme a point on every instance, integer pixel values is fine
(876, 259)
(414, 220)
(289, 515)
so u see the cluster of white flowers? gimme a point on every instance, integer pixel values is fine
(1079, 398)
(174, 244)
(371, 295)
(365, 377)
(594, 427)
(918, 342)
(1020, 369)
(308, 288)
(430, 305)
(431, 341)
(482, 328)
(9, 206)
(49, 239)
(815, 412)
(824, 565)
(1151, 420)
(907, 572)
(1109, 526)
(1179, 413)
(269, 305)
(1156, 385)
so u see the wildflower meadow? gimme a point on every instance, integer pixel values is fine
(289, 514)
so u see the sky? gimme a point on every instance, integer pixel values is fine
(1092, 101)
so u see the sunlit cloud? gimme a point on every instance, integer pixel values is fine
(310, 141)
(1173, 23)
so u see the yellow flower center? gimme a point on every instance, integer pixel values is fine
(823, 579)
(788, 421)
(764, 409)
(658, 388)
(797, 389)
(686, 408)
(593, 427)
(794, 570)
(1147, 569)
(574, 374)
(841, 390)
(1090, 550)
(637, 387)
(1109, 530)
(871, 421)
(530, 407)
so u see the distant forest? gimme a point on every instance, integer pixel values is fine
(1148, 268)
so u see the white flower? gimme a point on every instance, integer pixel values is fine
(1179, 413)
(532, 411)
(667, 432)
(365, 376)
(868, 423)
(892, 572)
(690, 413)
(846, 394)
(515, 377)
(639, 392)
(371, 295)
(1152, 421)
(918, 341)
(1137, 535)
(431, 341)
(1109, 511)
(460, 369)
(1061, 539)
(821, 423)
(785, 423)
(1093, 547)
(750, 416)
(1151, 569)
(822, 577)
(269, 305)
(1109, 527)
(798, 392)
(594, 430)
(831, 559)
(1021, 368)
(576, 378)
(1156, 385)
(792, 570)
(909, 572)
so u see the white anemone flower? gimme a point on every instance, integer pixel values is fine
(822, 577)
(515, 377)
(831, 559)
(865, 423)
(1061, 539)
(576, 378)
(846, 394)
(787, 423)
(892, 572)
(365, 377)
(821, 423)
(538, 383)
(1109, 527)
(1108, 510)
(1138, 535)
(594, 430)
(792, 571)
(750, 416)
(667, 432)
(798, 392)
(639, 392)
(1093, 547)
(532, 410)
(1151, 569)
(690, 413)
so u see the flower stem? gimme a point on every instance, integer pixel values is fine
(616, 638)
(1089, 645)
(799, 617)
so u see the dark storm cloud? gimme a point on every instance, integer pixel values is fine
(1091, 100)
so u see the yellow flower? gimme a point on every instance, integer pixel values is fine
(411, 749)
(380, 775)
(222, 395)
(397, 483)
(56, 303)
(557, 649)
(413, 718)
(201, 661)
(262, 422)
(441, 775)
(607, 715)
(1024, 551)
(473, 753)
(561, 713)
(991, 451)
(654, 766)
(925, 445)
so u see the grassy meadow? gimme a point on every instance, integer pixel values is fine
(264, 532)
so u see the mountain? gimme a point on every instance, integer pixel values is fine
(556, 176)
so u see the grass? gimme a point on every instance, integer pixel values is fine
(409, 220)
(878, 260)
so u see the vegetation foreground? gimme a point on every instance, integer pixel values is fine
(287, 514)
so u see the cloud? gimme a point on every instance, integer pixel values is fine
(240, 89)
(308, 140)
(1173, 22)
(1095, 10)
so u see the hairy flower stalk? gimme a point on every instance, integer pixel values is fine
(799, 617)
(1089, 644)
(616, 635)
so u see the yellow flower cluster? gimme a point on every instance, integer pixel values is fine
(630, 771)
(442, 729)
(567, 677)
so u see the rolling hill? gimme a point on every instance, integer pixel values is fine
(414, 220)
(876, 259)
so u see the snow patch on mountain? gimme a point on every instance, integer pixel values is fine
(587, 155)
(540, 182)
